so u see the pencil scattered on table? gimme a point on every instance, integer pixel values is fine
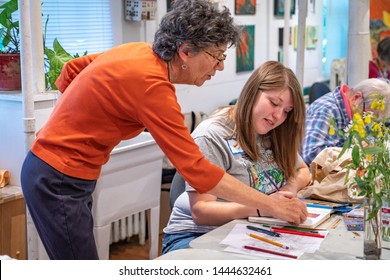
(269, 232)
(334, 225)
(270, 252)
(280, 230)
(268, 241)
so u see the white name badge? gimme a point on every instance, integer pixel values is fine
(234, 147)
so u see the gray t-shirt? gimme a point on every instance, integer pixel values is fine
(211, 136)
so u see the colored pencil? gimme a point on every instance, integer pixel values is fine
(271, 180)
(301, 229)
(334, 225)
(291, 228)
(270, 252)
(280, 230)
(269, 232)
(268, 240)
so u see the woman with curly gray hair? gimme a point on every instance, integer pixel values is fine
(115, 95)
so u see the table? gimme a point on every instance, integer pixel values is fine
(340, 244)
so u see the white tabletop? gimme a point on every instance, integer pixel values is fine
(339, 244)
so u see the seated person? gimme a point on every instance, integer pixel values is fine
(257, 141)
(339, 105)
(379, 67)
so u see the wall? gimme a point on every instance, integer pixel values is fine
(12, 137)
(227, 85)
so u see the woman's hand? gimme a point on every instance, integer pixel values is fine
(287, 208)
(301, 179)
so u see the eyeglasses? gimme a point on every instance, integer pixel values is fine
(220, 59)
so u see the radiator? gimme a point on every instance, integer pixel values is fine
(125, 228)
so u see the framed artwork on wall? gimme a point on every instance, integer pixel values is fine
(245, 7)
(311, 37)
(169, 5)
(279, 7)
(245, 51)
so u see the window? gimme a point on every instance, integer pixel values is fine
(79, 26)
(335, 37)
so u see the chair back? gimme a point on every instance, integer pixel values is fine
(178, 186)
(317, 90)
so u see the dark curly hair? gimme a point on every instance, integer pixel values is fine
(199, 23)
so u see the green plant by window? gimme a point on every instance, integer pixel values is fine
(10, 40)
(55, 59)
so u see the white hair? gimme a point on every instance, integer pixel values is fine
(370, 89)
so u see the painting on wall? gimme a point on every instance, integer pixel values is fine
(311, 37)
(245, 51)
(279, 7)
(245, 7)
(169, 5)
(379, 22)
(281, 36)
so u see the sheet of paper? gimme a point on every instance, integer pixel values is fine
(238, 238)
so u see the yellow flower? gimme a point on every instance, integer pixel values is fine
(358, 125)
(382, 107)
(378, 104)
(374, 104)
(367, 119)
(331, 130)
(376, 127)
(362, 132)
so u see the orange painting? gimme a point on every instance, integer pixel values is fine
(379, 22)
(245, 7)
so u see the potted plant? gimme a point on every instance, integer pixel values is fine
(55, 59)
(368, 139)
(9, 47)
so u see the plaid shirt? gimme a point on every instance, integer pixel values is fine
(318, 116)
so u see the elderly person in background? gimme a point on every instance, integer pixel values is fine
(257, 141)
(340, 105)
(115, 95)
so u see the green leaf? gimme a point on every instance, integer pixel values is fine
(355, 156)
(346, 145)
(373, 150)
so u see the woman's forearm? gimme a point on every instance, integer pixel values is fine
(299, 181)
(217, 213)
(288, 209)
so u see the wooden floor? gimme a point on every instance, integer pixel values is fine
(131, 250)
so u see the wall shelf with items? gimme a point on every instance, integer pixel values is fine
(137, 10)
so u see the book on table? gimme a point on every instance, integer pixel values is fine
(315, 218)
(335, 206)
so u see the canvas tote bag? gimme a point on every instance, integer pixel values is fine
(328, 178)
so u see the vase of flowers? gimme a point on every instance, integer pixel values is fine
(367, 137)
(372, 247)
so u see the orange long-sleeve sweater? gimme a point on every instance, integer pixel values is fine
(112, 96)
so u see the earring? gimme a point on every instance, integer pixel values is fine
(184, 66)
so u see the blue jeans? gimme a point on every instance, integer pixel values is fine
(60, 207)
(176, 241)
